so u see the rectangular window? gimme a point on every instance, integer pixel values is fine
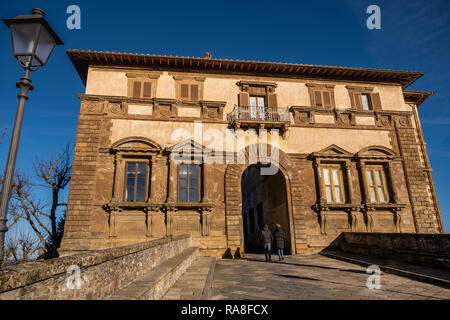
(366, 101)
(189, 91)
(376, 182)
(258, 107)
(333, 184)
(141, 89)
(136, 181)
(188, 183)
(323, 98)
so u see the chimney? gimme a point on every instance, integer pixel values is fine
(208, 55)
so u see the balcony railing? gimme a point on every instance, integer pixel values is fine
(258, 115)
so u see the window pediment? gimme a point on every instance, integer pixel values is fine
(136, 144)
(332, 151)
(376, 152)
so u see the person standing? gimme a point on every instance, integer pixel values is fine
(267, 239)
(279, 236)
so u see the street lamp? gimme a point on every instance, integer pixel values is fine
(33, 40)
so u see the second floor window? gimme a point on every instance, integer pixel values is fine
(189, 91)
(376, 182)
(334, 188)
(141, 89)
(136, 181)
(366, 102)
(188, 183)
(257, 107)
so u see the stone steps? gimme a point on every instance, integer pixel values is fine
(154, 284)
(195, 283)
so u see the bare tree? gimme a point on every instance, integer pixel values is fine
(20, 247)
(41, 217)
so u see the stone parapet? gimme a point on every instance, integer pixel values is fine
(92, 275)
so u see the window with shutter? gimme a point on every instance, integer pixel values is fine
(147, 92)
(318, 98)
(185, 91)
(136, 89)
(326, 99)
(366, 101)
(194, 92)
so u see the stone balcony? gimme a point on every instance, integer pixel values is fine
(254, 117)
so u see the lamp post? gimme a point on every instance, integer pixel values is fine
(33, 40)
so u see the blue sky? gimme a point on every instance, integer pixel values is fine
(414, 35)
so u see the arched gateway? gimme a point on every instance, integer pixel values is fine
(233, 200)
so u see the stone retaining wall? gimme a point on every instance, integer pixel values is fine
(427, 249)
(101, 272)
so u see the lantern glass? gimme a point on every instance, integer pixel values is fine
(24, 36)
(45, 45)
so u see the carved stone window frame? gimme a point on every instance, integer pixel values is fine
(355, 93)
(142, 77)
(147, 152)
(257, 88)
(313, 88)
(189, 80)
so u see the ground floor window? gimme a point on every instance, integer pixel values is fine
(188, 182)
(136, 181)
(333, 184)
(376, 181)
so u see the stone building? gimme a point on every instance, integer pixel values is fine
(172, 145)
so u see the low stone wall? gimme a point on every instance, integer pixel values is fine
(427, 249)
(91, 275)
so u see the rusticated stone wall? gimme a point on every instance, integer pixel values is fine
(101, 272)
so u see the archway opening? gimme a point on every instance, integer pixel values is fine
(264, 201)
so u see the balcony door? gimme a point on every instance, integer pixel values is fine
(257, 107)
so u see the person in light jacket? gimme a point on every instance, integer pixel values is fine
(267, 238)
(279, 237)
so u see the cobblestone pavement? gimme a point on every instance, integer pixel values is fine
(190, 285)
(311, 277)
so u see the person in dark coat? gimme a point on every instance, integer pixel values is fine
(267, 238)
(279, 237)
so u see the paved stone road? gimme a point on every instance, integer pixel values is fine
(311, 277)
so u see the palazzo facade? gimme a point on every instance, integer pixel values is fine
(170, 145)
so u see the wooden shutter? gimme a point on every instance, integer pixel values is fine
(272, 100)
(194, 92)
(326, 100)
(147, 90)
(376, 101)
(184, 91)
(352, 99)
(136, 89)
(358, 101)
(333, 103)
(243, 99)
(317, 98)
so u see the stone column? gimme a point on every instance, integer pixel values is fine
(204, 184)
(316, 165)
(362, 171)
(391, 183)
(172, 181)
(349, 181)
(117, 173)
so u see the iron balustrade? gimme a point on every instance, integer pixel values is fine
(254, 113)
